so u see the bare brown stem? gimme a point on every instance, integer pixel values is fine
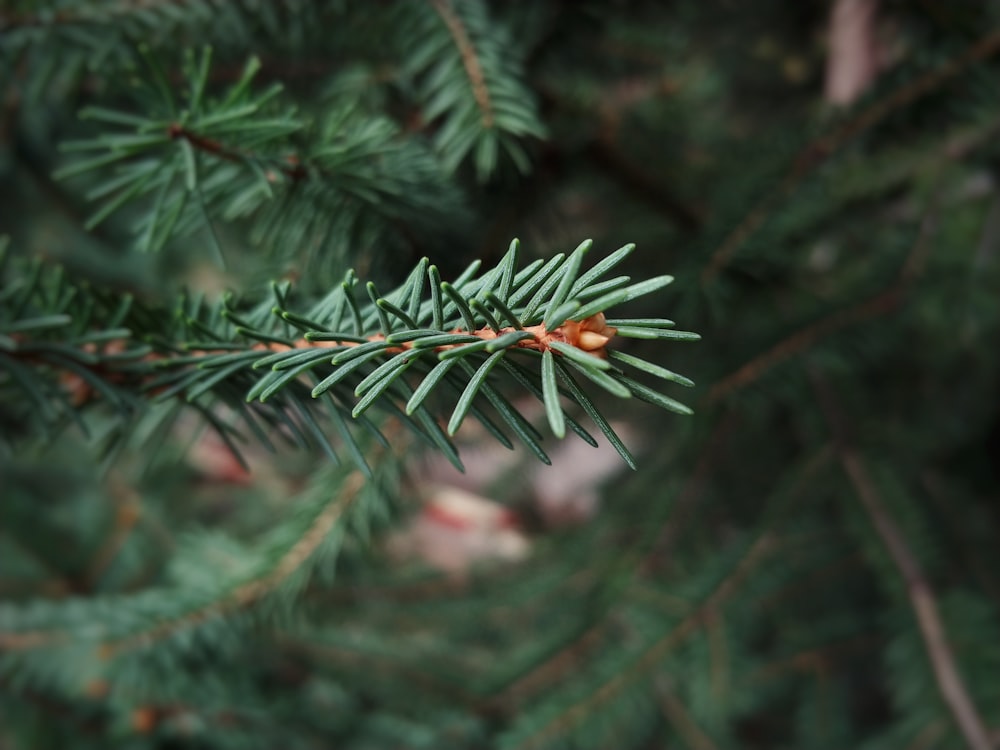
(950, 684)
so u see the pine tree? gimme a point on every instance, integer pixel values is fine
(257, 276)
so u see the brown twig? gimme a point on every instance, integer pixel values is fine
(805, 338)
(824, 657)
(949, 681)
(950, 684)
(292, 168)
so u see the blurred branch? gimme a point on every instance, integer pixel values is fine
(254, 590)
(944, 495)
(654, 654)
(825, 657)
(678, 716)
(882, 303)
(127, 512)
(820, 150)
(396, 670)
(641, 185)
(624, 96)
(692, 491)
(470, 59)
(14, 20)
(559, 665)
(603, 150)
(949, 682)
(294, 171)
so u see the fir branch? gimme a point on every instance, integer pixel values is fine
(691, 492)
(82, 14)
(293, 170)
(272, 578)
(354, 660)
(127, 514)
(950, 683)
(821, 658)
(553, 669)
(30, 639)
(675, 712)
(882, 303)
(469, 59)
(469, 79)
(252, 591)
(372, 363)
(820, 150)
(653, 654)
(77, 23)
(393, 654)
(193, 159)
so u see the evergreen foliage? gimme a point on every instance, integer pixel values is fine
(807, 561)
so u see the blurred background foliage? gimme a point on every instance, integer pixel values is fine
(807, 562)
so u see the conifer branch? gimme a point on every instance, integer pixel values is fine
(470, 80)
(801, 340)
(82, 14)
(293, 171)
(882, 303)
(678, 716)
(548, 672)
(252, 591)
(30, 639)
(820, 150)
(127, 513)
(950, 684)
(469, 58)
(651, 655)
(273, 578)
(259, 604)
(194, 158)
(819, 659)
(216, 354)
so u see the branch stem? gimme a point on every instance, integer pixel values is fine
(949, 681)
(950, 684)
